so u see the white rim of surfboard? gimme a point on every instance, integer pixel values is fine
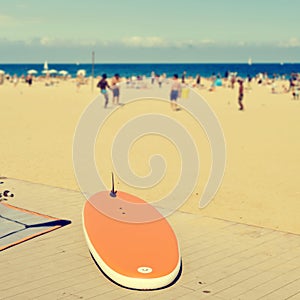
(130, 282)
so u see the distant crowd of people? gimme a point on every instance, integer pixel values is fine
(179, 85)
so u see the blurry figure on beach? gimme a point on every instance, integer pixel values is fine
(134, 80)
(115, 86)
(15, 80)
(284, 89)
(226, 75)
(77, 84)
(265, 78)
(103, 85)
(198, 80)
(232, 81)
(295, 93)
(160, 80)
(128, 81)
(213, 85)
(273, 87)
(79, 81)
(241, 94)
(249, 79)
(183, 77)
(164, 76)
(218, 81)
(185, 92)
(260, 79)
(48, 80)
(292, 84)
(175, 92)
(152, 77)
(29, 79)
(215, 81)
(294, 88)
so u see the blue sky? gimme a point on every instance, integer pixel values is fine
(150, 31)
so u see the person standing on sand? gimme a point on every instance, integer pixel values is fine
(115, 86)
(15, 80)
(152, 77)
(103, 84)
(160, 80)
(249, 79)
(183, 77)
(198, 80)
(241, 94)
(78, 82)
(232, 81)
(29, 79)
(175, 92)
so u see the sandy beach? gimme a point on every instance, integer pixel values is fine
(205, 131)
(260, 185)
(243, 245)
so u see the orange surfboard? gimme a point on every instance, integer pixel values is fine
(131, 242)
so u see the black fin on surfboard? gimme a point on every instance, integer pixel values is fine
(113, 193)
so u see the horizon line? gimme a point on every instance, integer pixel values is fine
(154, 62)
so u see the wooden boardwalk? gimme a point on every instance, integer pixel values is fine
(221, 259)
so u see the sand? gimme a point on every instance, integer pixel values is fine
(261, 181)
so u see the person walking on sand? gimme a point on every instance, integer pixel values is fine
(103, 84)
(241, 94)
(115, 86)
(175, 92)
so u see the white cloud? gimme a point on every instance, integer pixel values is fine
(291, 43)
(158, 42)
(145, 42)
(207, 42)
(45, 41)
(152, 42)
(241, 44)
(60, 42)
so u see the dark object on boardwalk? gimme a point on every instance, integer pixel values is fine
(5, 194)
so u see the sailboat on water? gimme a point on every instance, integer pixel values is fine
(46, 65)
(250, 61)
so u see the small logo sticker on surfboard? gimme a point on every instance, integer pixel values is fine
(144, 270)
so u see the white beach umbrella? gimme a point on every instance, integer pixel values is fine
(63, 73)
(45, 72)
(2, 72)
(52, 71)
(32, 71)
(81, 72)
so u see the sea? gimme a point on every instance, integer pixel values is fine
(145, 69)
